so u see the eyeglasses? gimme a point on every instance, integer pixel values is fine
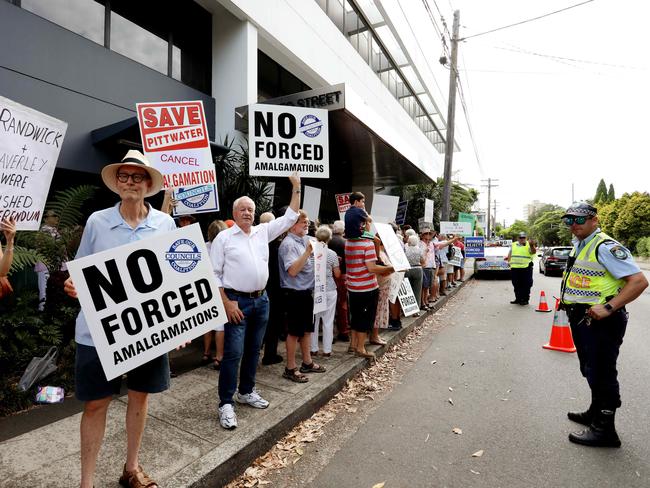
(136, 177)
(569, 221)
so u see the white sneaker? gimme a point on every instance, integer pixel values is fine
(227, 417)
(253, 399)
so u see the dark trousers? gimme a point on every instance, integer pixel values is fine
(522, 282)
(275, 326)
(598, 344)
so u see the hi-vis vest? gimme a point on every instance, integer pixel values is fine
(520, 256)
(588, 282)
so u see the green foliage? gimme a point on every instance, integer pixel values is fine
(633, 220)
(611, 195)
(68, 204)
(643, 247)
(547, 207)
(461, 200)
(513, 231)
(235, 181)
(549, 230)
(24, 257)
(601, 192)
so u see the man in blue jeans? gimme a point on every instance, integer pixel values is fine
(240, 258)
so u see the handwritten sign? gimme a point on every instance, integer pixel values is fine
(143, 299)
(175, 140)
(456, 228)
(30, 142)
(320, 286)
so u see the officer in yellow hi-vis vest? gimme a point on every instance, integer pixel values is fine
(600, 279)
(521, 268)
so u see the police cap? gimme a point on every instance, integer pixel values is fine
(580, 209)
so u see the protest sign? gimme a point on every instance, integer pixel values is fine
(456, 228)
(407, 298)
(400, 217)
(342, 203)
(285, 139)
(428, 210)
(467, 217)
(320, 263)
(474, 247)
(456, 257)
(393, 248)
(196, 199)
(30, 142)
(423, 223)
(384, 208)
(311, 202)
(145, 298)
(175, 140)
(395, 282)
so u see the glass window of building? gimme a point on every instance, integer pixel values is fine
(275, 81)
(87, 21)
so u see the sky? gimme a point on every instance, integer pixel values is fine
(543, 124)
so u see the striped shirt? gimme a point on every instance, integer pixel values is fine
(357, 253)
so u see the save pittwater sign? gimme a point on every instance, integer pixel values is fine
(143, 299)
(175, 140)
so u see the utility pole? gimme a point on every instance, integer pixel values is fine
(451, 115)
(572, 197)
(495, 213)
(490, 184)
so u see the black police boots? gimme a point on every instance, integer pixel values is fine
(584, 418)
(601, 432)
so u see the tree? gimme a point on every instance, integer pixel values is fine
(633, 220)
(549, 230)
(547, 207)
(513, 231)
(601, 192)
(611, 196)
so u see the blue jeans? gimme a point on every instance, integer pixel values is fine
(242, 343)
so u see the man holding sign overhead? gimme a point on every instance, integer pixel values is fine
(131, 219)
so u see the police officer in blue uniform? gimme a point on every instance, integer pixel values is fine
(600, 279)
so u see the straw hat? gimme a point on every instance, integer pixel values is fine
(134, 159)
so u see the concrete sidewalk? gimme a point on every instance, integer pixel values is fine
(184, 445)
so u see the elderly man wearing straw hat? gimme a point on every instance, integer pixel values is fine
(131, 219)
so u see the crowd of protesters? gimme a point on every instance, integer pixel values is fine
(265, 275)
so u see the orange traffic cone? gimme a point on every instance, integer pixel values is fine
(543, 306)
(561, 339)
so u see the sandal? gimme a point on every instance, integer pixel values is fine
(294, 375)
(216, 365)
(205, 359)
(312, 368)
(364, 354)
(378, 342)
(137, 479)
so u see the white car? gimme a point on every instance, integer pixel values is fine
(494, 262)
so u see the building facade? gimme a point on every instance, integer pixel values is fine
(89, 62)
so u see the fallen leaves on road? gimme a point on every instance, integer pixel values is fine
(474, 472)
(457, 430)
(451, 389)
(379, 485)
(451, 402)
(478, 453)
(427, 439)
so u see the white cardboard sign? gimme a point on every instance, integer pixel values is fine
(30, 142)
(393, 248)
(311, 202)
(384, 208)
(428, 210)
(284, 139)
(456, 228)
(407, 298)
(143, 299)
(320, 285)
(196, 199)
(175, 140)
(395, 282)
(456, 258)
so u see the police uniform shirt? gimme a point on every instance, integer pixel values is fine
(612, 255)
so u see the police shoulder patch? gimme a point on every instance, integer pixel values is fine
(619, 252)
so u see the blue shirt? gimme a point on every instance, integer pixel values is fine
(617, 266)
(107, 229)
(290, 250)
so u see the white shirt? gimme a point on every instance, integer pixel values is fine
(240, 260)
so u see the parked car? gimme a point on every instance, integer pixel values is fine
(494, 262)
(553, 260)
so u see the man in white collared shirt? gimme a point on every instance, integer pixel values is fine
(240, 258)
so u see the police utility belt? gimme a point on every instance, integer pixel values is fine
(579, 309)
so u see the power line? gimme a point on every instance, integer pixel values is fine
(527, 20)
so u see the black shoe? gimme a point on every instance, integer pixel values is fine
(343, 337)
(601, 433)
(266, 361)
(523, 303)
(515, 302)
(584, 418)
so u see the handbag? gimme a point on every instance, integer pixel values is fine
(39, 368)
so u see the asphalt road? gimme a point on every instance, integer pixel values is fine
(510, 398)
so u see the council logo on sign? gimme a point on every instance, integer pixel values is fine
(310, 125)
(183, 255)
(194, 197)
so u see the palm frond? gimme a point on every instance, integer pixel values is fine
(67, 204)
(24, 257)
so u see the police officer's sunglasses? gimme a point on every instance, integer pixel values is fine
(136, 177)
(569, 221)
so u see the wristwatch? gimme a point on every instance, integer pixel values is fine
(297, 191)
(608, 307)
